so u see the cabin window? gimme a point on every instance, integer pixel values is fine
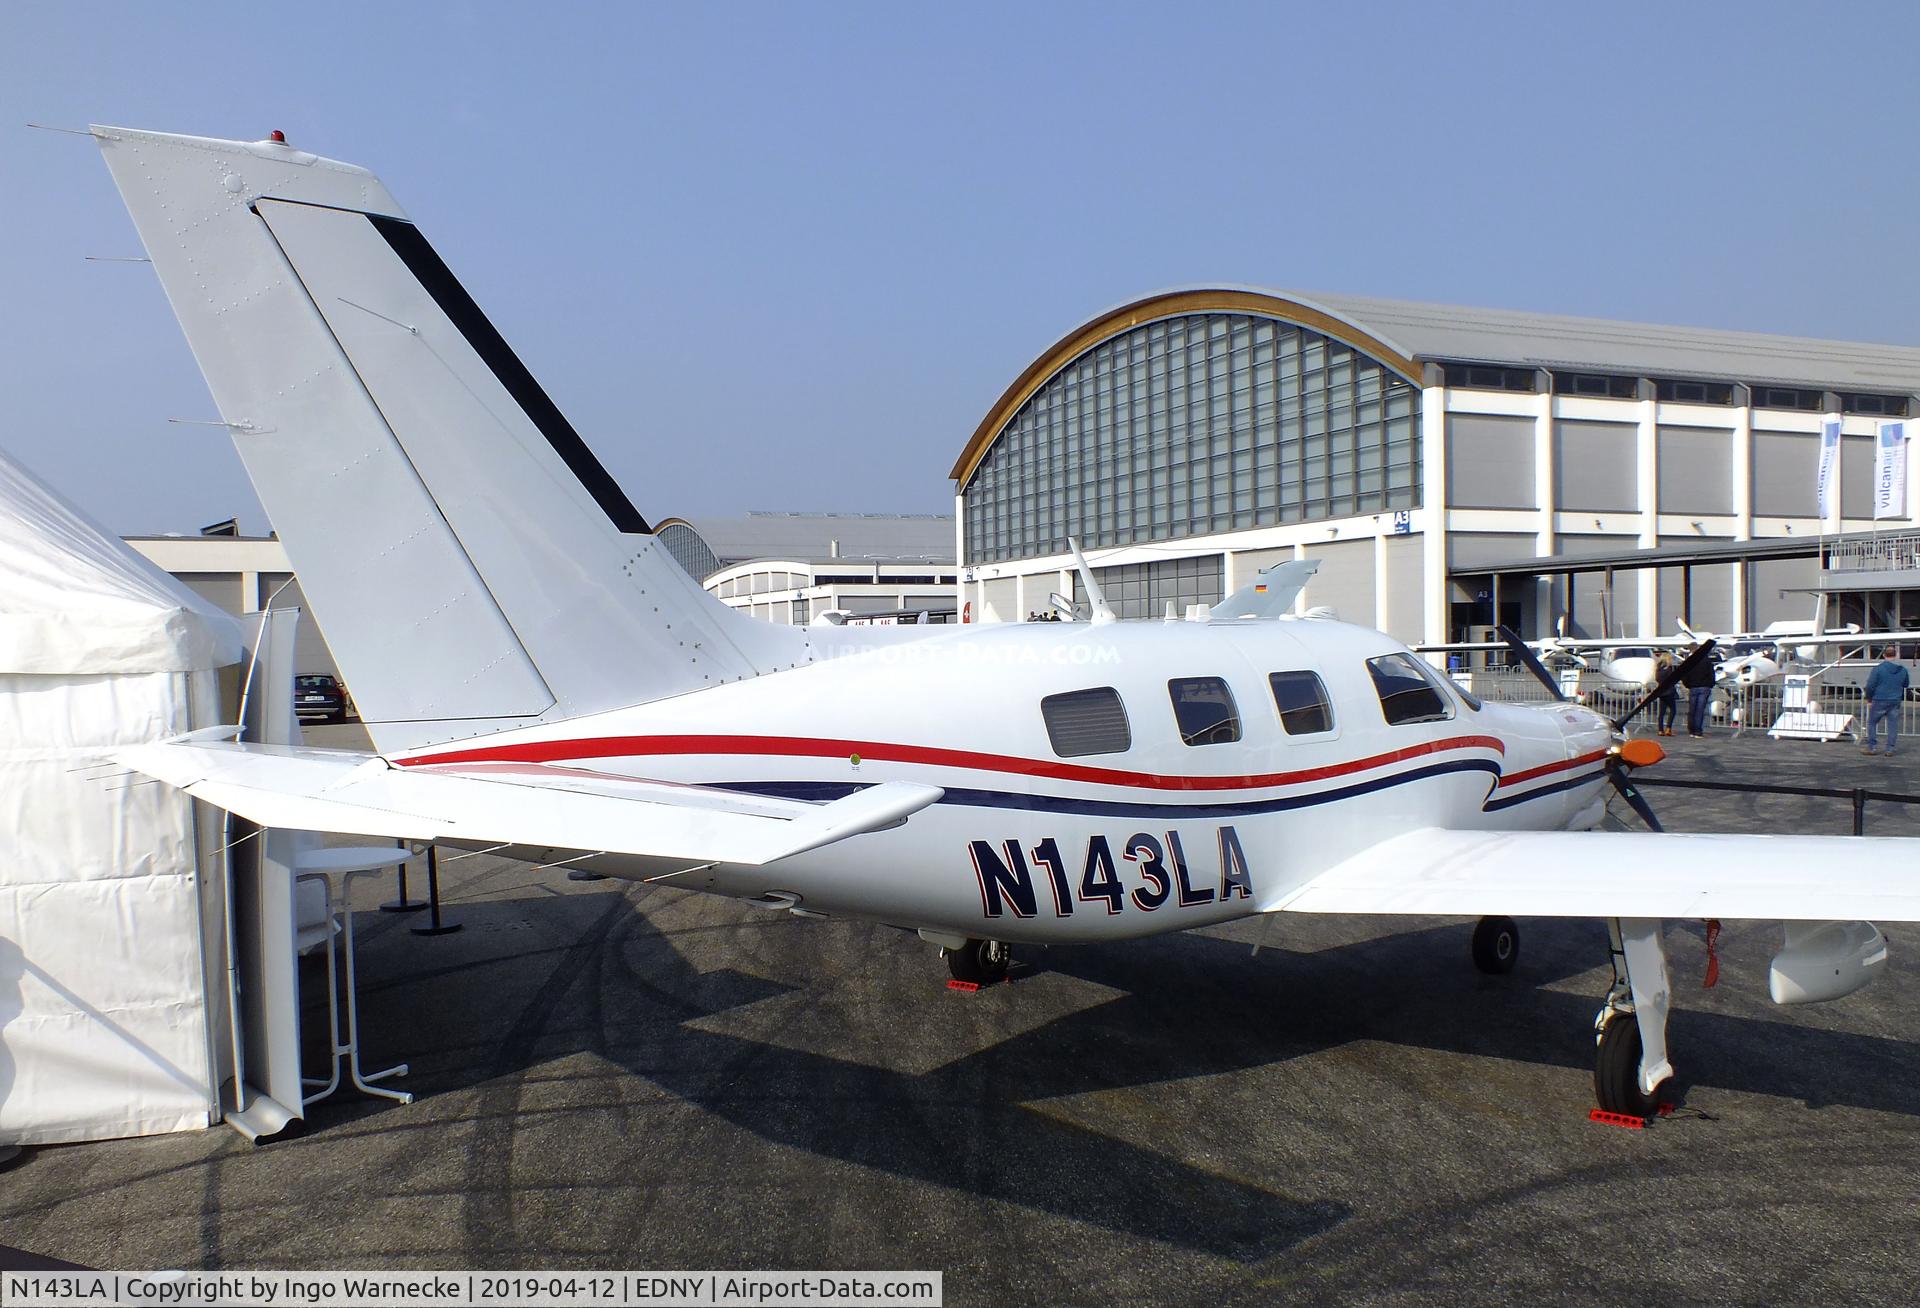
(1204, 708)
(1405, 693)
(1087, 722)
(1302, 700)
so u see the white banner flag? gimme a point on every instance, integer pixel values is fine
(1827, 481)
(1890, 471)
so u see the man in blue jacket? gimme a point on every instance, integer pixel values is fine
(1886, 690)
(1699, 681)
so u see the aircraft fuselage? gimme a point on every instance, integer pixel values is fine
(1028, 845)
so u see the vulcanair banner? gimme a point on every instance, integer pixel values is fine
(1890, 471)
(1827, 481)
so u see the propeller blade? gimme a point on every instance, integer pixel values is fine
(1635, 800)
(1664, 684)
(1518, 648)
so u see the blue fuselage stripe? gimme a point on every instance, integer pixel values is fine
(1558, 787)
(820, 791)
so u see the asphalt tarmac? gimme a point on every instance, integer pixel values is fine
(620, 1076)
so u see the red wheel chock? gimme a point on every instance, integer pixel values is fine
(968, 986)
(1628, 1120)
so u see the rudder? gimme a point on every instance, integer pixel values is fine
(470, 562)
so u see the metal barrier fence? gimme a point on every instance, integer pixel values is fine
(1741, 708)
(1858, 795)
(1883, 554)
(1513, 685)
(1756, 708)
(1505, 685)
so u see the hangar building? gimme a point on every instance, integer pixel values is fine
(792, 567)
(241, 575)
(782, 567)
(1193, 437)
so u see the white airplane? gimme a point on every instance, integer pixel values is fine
(1791, 645)
(1625, 666)
(1620, 666)
(538, 674)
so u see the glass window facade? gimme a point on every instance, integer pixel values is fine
(1885, 406)
(1786, 397)
(1490, 377)
(1604, 385)
(1192, 425)
(1143, 590)
(689, 549)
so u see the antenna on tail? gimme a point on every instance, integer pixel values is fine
(1095, 600)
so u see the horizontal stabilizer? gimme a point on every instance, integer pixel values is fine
(1621, 874)
(531, 805)
(1271, 594)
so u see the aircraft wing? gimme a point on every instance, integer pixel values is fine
(1621, 874)
(522, 804)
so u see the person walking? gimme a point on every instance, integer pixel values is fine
(1667, 701)
(1699, 683)
(1886, 691)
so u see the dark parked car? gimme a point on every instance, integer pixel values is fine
(317, 696)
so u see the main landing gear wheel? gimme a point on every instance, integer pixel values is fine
(1616, 1071)
(981, 962)
(1496, 945)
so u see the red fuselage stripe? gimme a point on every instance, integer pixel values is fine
(1515, 778)
(549, 751)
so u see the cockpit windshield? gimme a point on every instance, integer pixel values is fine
(1406, 694)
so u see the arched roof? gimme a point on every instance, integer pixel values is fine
(815, 537)
(1403, 335)
(1173, 304)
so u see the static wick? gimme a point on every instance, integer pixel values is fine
(381, 316)
(563, 862)
(118, 258)
(455, 858)
(70, 131)
(211, 422)
(697, 867)
(233, 844)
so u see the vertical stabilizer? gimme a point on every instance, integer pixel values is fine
(471, 564)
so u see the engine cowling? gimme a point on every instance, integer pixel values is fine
(1825, 960)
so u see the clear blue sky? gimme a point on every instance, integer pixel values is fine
(785, 256)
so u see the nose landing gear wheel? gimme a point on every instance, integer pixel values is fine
(1616, 1071)
(1496, 945)
(981, 962)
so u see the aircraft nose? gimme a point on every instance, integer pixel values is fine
(1582, 730)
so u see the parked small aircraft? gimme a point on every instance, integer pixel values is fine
(1624, 666)
(1754, 657)
(538, 674)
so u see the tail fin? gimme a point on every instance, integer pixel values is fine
(471, 564)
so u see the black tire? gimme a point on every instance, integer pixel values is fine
(1616, 1071)
(1496, 945)
(981, 962)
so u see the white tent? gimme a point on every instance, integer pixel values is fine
(104, 984)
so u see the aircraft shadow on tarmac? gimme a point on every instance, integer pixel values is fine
(1188, 1006)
